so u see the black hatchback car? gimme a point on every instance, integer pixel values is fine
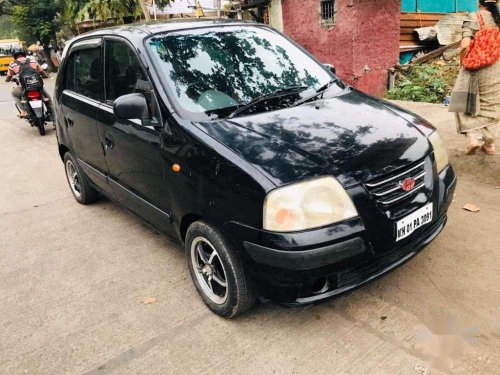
(281, 180)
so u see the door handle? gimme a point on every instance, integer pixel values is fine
(69, 121)
(109, 141)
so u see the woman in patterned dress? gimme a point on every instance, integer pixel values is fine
(476, 96)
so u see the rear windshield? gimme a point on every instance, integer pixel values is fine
(216, 70)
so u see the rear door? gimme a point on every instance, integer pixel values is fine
(80, 100)
(136, 167)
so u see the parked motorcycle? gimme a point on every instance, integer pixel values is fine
(37, 112)
(43, 64)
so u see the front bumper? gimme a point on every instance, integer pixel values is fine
(311, 266)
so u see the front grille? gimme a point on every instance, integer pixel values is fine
(388, 191)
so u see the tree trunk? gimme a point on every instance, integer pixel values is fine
(145, 10)
(46, 55)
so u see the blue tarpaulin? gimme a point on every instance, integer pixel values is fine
(439, 6)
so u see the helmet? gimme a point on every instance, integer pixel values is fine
(18, 53)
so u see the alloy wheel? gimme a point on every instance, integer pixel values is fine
(209, 270)
(74, 181)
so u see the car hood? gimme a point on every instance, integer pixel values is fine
(353, 136)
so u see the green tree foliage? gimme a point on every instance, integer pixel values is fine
(36, 19)
(42, 19)
(79, 10)
(39, 18)
(7, 29)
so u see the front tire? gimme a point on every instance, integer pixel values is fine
(217, 272)
(79, 184)
(40, 125)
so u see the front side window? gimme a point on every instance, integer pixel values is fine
(69, 77)
(86, 77)
(212, 71)
(125, 75)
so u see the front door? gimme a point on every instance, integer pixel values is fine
(80, 100)
(136, 168)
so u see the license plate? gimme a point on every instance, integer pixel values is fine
(411, 223)
(36, 104)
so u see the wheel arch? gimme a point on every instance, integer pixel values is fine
(63, 150)
(186, 221)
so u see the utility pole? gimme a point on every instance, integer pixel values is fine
(154, 9)
(218, 8)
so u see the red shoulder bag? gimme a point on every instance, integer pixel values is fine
(485, 47)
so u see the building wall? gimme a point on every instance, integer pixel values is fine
(363, 44)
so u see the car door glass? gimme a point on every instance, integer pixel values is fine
(69, 79)
(87, 68)
(125, 75)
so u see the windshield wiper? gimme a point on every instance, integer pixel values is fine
(260, 99)
(319, 92)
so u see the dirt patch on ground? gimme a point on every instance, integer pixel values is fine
(481, 167)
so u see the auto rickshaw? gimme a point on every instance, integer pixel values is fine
(7, 46)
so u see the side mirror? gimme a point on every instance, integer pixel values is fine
(331, 68)
(131, 106)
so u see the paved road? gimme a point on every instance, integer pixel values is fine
(73, 278)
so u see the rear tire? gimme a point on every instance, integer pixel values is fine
(217, 272)
(40, 125)
(78, 182)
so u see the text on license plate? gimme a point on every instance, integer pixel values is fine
(36, 104)
(411, 223)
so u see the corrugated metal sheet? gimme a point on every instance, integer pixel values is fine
(412, 21)
(439, 6)
(433, 6)
(409, 5)
(449, 28)
(447, 31)
(467, 5)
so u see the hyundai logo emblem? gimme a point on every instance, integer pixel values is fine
(408, 184)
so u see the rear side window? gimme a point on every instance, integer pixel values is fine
(83, 72)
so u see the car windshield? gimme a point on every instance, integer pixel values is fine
(217, 70)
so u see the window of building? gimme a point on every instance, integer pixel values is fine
(327, 12)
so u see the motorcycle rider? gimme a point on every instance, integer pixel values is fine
(17, 92)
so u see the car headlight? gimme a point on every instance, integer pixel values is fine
(307, 205)
(440, 152)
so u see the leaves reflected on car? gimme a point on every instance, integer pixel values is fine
(273, 95)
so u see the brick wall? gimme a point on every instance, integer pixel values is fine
(363, 44)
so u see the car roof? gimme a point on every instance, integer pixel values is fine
(138, 31)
